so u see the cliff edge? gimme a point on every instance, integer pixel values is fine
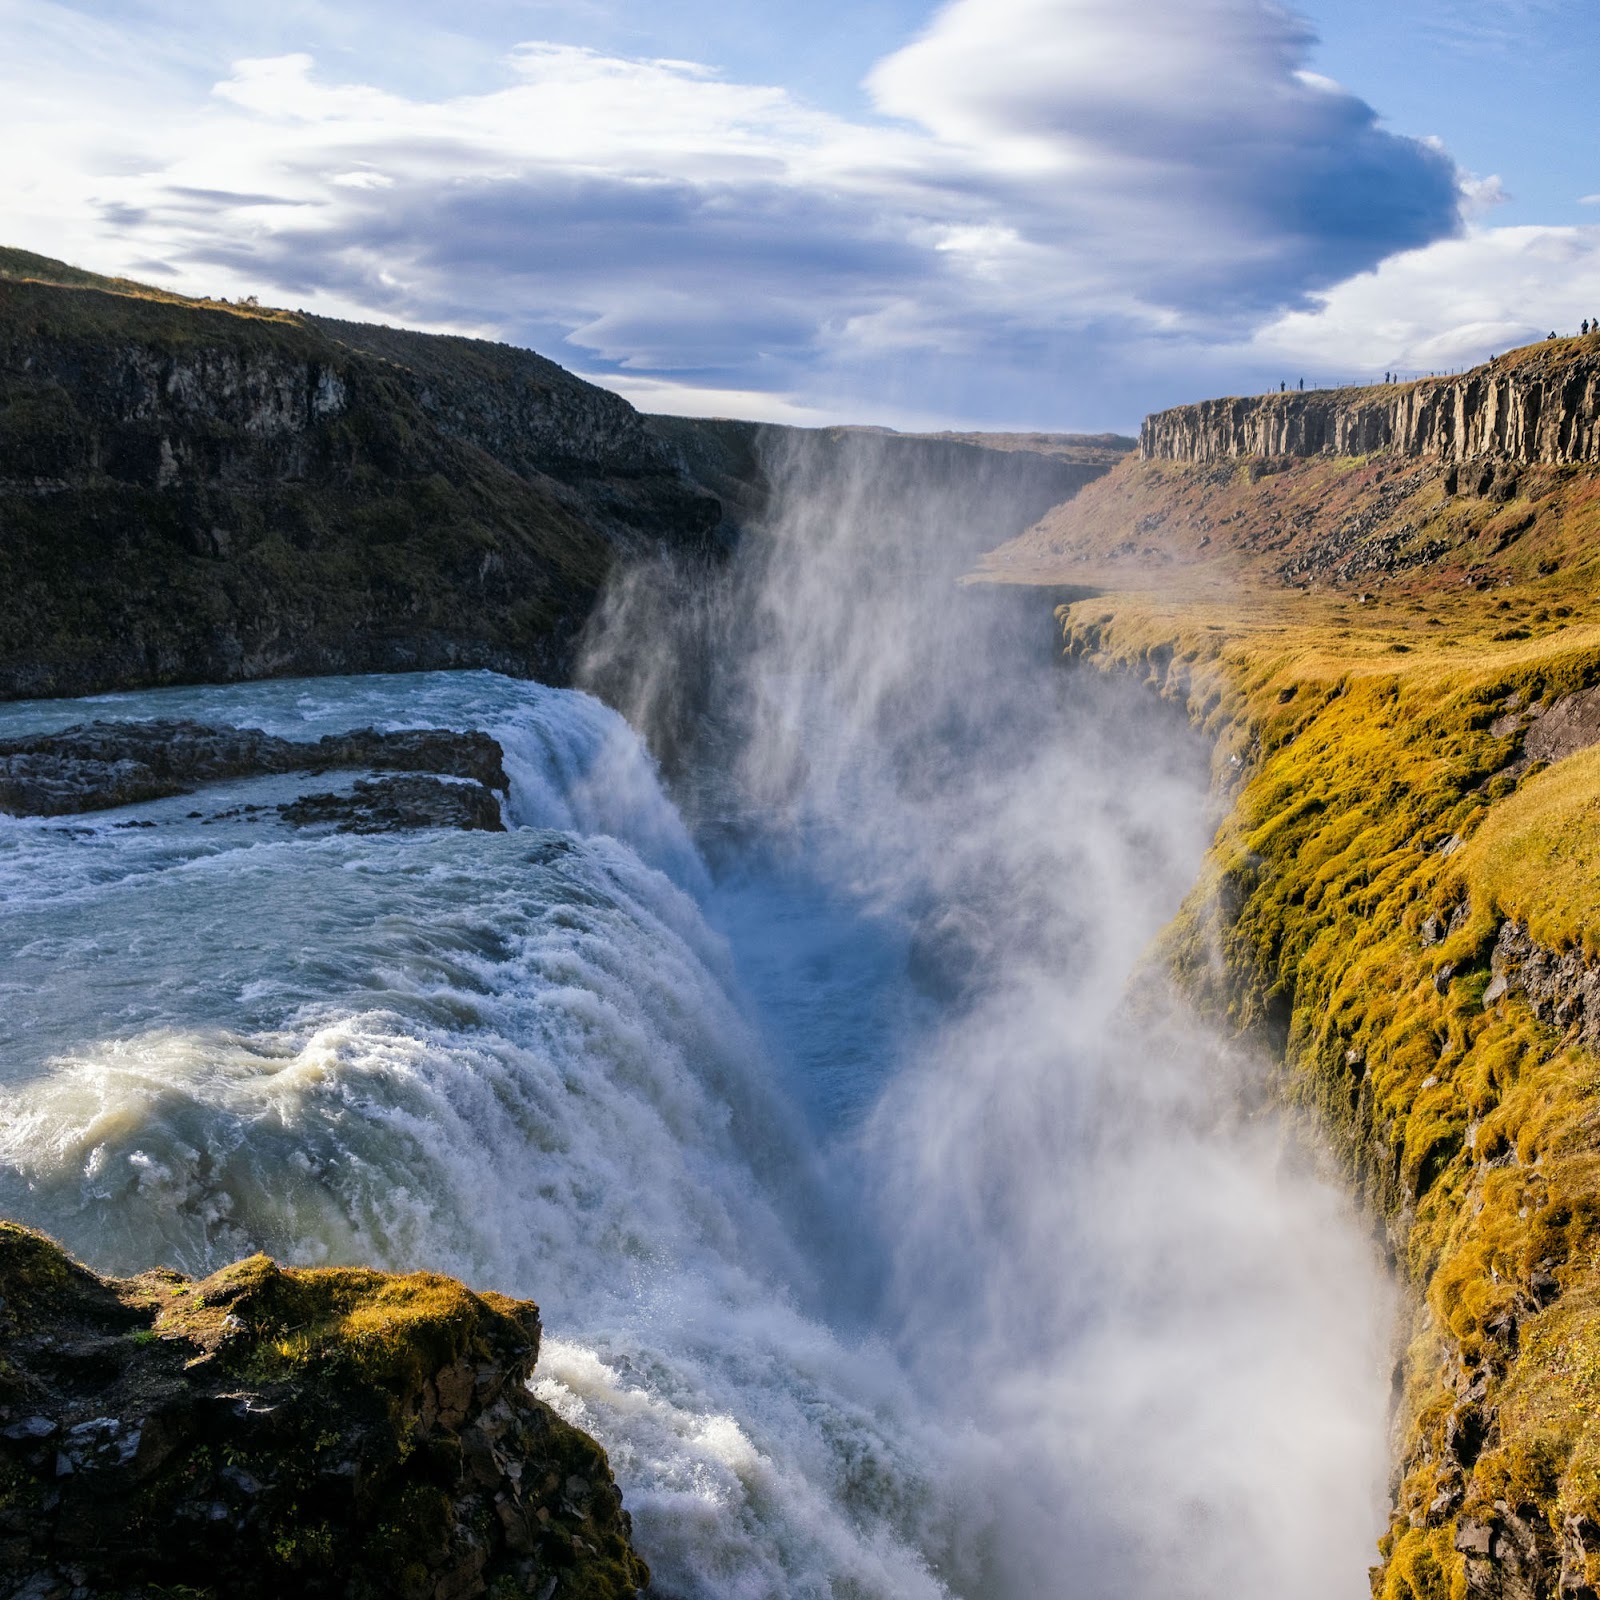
(1538, 404)
(195, 491)
(1397, 655)
(268, 1431)
(192, 491)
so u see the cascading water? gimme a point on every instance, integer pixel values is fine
(885, 1251)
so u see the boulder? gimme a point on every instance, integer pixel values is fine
(272, 1430)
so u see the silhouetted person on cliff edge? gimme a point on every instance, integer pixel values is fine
(1302, 386)
(1584, 330)
(1283, 386)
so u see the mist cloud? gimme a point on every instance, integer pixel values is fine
(1153, 1343)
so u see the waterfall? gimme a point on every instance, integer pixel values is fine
(888, 1245)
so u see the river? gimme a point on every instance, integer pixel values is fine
(890, 1250)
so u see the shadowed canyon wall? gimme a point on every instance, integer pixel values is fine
(193, 491)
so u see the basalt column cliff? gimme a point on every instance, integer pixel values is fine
(1540, 404)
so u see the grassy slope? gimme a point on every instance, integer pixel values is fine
(23, 266)
(1353, 726)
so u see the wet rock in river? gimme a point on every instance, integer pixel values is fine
(399, 805)
(99, 765)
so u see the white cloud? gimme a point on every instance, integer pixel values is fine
(1182, 141)
(1450, 305)
(1482, 194)
(1051, 182)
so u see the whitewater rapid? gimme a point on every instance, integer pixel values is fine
(824, 1257)
(528, 1059)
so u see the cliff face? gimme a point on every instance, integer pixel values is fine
(270, 1431)
(539, 421)
(1541, 404)
(1399, 661)
(1365, 914)
(191, 492)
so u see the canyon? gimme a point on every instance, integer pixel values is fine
(194, 492)
(1374, 606)
(1380, 606)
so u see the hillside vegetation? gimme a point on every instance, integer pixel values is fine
(1397, 658)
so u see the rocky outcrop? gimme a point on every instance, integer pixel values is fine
(399, 805)
(193, 492)
(270, 1431)
(1541, 404)
(1562, 987)
(1567, 725)
(99, 765)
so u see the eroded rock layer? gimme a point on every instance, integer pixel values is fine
(1541, 404)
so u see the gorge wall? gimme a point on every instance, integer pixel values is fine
(1008, 481)
(1540, 404)
(1398, 656)
(196, 491)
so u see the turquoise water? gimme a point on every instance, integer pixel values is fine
(528, 1058)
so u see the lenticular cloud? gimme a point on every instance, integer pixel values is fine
(1186, 136)
(1044, 181)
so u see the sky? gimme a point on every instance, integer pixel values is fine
(977, 213)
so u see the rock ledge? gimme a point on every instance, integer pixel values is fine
(270, 1430)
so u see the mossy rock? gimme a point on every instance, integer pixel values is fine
(1401, 906)
(331, 1432)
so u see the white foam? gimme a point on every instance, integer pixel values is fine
(525, 1059)
(867, 1294)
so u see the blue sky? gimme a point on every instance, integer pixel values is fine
(1040, 213)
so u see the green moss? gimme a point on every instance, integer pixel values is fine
(1537, 858)
(359, 1430)
(1421, 1565)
